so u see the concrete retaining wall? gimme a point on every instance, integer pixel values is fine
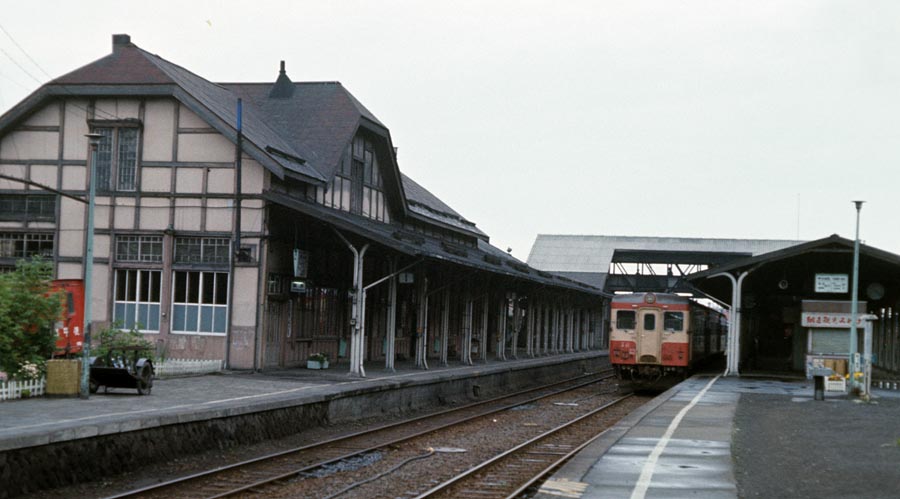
(48, 466)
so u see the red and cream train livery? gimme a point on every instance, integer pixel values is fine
(655, 335)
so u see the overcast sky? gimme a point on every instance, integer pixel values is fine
(664, 118)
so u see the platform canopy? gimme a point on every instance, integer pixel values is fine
(792, 272)
(766, 330)
(629, 263)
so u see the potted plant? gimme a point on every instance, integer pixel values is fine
(317, 361)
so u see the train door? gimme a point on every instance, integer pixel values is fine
(648, 337)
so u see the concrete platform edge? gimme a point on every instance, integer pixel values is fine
(124, 423)
(579, 466)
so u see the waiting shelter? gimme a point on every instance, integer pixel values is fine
(790, 305)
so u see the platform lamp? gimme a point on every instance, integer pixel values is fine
(94, 141)
(854, 300)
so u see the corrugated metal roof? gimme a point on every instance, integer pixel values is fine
(581, 253)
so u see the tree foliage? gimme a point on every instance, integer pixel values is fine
(28, 312)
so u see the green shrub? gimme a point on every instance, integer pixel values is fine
(28, 312)
(113, 337)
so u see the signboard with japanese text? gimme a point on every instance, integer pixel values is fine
(831, 283)
(301, 263)
(828, 319)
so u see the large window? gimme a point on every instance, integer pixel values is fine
(358, 186)
(137, 299)
(139, 248)
(200, 302)
(21, 245)
(117, 158)
(28, 207)
(673, 321)
(625, 319)
(202, 249)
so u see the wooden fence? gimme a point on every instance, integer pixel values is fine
(13, 389)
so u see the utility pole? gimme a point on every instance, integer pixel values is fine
(94, 140)
(854, 301)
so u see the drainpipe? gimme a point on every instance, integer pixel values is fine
(236, 248)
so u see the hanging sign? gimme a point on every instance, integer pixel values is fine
(831, 283)
(828, 319)
(301, 263)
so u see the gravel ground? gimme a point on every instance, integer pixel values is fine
(481, 439)
(162, 471)
(797, 448)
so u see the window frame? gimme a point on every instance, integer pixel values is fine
(358, 185)
(137, 302)
(112, 180)
(144, 242)
(207, 245)
(633, 320)
(666, 319)
(27, 199)
(653, 321)
(199, 303)
(26, 239)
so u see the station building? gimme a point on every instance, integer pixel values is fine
(296, 235)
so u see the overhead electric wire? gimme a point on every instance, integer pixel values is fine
(14, 61)
(23, 51)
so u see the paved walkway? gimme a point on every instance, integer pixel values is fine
(38, 421)
(713, 437)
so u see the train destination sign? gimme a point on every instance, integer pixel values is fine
(828, 319)
(831, 283)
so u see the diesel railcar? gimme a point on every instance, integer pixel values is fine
(656, 335)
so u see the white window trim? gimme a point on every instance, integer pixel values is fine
(138, 289)
(227, 307)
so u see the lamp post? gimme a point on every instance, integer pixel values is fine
(94, 140)
(854, 300)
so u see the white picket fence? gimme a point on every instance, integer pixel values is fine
(13, 389)
(184, 367)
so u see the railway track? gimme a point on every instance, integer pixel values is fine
(511, 473)
(256, 475)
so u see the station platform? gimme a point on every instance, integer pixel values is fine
(68, 439)
(714, 437)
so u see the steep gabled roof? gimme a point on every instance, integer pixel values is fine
(319, 119)
(303, 128)
(134, 68)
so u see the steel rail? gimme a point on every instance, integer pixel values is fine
(183, 481)
(271, 480)
(444, 486)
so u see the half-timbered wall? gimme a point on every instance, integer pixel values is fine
(160, 222)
